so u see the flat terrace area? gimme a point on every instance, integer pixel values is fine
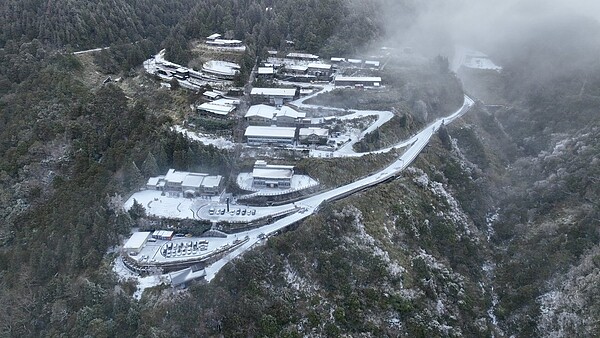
(183, 249)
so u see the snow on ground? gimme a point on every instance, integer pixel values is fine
(299, 182)
(310, 205)
(166, 206)
(472, 59)
(347, 149)
(142, 282)
(217, 141)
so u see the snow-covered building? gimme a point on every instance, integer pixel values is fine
(224, 43)
(302, 56)
(166, 235)
(272, 176)
(372, 64)
(187, 183)
(221, 69)
(212, 37)
(320, 70)
(266, 73)
(286, 116)
(212, 94)
(257, 135)
(366, 81)
(220, 109)
(313, 135)
(355, 62)
(296, 69)
(262, 114)
(277, 96)
(136, 242)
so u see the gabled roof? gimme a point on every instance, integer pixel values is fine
(193, 180)
(316, 131)
(174, 176)
(285, 111)
(269, 112)
(261, 110)
(212, 181)
(213, 36)
(219, 109)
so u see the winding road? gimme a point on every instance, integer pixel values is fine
(311, 205)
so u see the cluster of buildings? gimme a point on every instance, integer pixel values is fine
(301, 67)
(214, 73)
(189, 184)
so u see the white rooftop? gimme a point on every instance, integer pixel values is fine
(212, 181)
(219, 109)
(272, 173)
(260, 131)
(223, 42)
(213, 36)
(354, 61)
(316, 131)
(227, 102)
(372, 63)
(261, 110)
(302, 56)
(137, 240)
(334, 59)
(221, 67)
(268, 112)
(212, 94)
(319, 66)
(193, 180)
(175, 176)
(154, 180)
(289, 112)
(265, 71)
(296, 68)
(162, 233)
(274, 91)
(358, 78)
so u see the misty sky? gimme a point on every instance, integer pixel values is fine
(491, 25)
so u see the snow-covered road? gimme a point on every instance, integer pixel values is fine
(311, 205)
(347, 149)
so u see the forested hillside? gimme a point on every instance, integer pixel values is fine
(88, 24)
(493, 231)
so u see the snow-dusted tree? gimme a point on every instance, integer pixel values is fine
(150, 166)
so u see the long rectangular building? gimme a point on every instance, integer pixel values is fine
(257, 135)
(367, 81)
(272, 176)
(277, 96)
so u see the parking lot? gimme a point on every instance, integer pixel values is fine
(237, 213)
